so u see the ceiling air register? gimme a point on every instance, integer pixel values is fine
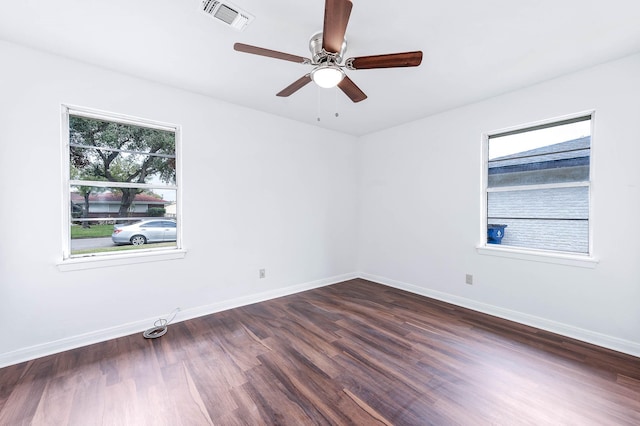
(227, 13)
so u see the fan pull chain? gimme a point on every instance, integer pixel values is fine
(318, 93)
(323, 96)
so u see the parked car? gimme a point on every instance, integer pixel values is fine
(144, 231)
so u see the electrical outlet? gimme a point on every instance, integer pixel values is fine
(468, 279)
(262, 273)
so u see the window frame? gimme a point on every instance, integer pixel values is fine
(587, 260)
(68, 262)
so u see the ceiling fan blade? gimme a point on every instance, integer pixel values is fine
(405, 59)
(246, 48)
(295, 86)
(351, 90)
(336, 18)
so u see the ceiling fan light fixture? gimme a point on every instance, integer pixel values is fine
(327, 76)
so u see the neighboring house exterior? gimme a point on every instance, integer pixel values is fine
(543, 218)
(171, 210)
(107, 204)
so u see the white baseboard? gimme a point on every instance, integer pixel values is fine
(261, 297)
(599, 339)
(37, 351)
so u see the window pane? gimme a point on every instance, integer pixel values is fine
(550, 160)
(104, 150)
(534, 160)
(550, 219)
(97, 211)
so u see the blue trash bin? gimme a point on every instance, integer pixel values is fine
(495, 233)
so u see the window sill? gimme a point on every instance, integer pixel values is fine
(91, 262)
(582, 261)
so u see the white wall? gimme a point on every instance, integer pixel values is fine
(264, 192)
(420, 207)
(259, 192)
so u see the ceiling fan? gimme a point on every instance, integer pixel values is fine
(327, 49)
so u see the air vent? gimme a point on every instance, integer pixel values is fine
(227, 13)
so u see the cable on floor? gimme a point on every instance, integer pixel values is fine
(160, 326)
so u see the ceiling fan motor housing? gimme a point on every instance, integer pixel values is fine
(319, 55)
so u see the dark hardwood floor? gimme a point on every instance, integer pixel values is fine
(350, 353)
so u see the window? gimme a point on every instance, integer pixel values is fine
(538, 187)
(121, 189)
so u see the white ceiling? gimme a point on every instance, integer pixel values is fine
(472, 49)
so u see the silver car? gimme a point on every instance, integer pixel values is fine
(145, 231)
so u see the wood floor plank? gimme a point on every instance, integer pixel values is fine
(352, 353)
(88, 398)
(56, 400)
(24, 398)
(212, 379)
(186, 402)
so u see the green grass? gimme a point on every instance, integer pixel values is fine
(95, 231)
(123, 248)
